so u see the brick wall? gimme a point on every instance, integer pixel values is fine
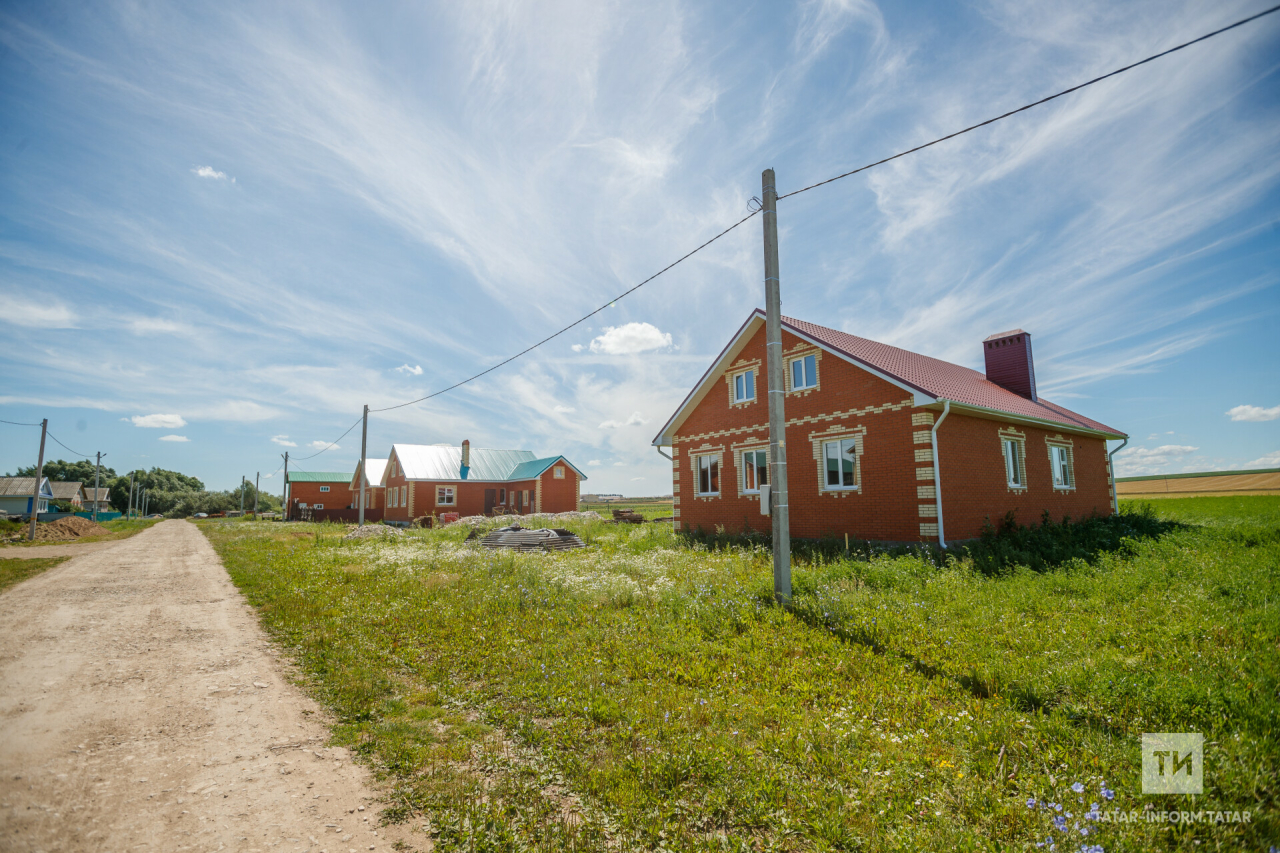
(895, 498)
(338, 496)
(559, 495)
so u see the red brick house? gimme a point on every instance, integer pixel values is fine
(317, 490)
(373, 490)
(423, 480)
(882, 443)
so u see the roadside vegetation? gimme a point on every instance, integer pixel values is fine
(646, 693)
(118, 528)
(16, 570)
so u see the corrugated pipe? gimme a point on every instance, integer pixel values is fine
(937, 472)
(1111, 466)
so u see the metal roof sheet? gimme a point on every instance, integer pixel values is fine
(534, 468)
(64, 490)
(444, 462)
(373, 477)
(22, 487)
(319, 477)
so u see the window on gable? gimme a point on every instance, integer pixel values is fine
(708, 475)
(444, 495)
(804, 373)
(559, 472)
(324, 488)
(1015, 468)
(755, 470)
(744, 387)
(1060, 460)
(841, 459)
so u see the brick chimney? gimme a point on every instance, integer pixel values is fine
(466, 453)
(1009, 362)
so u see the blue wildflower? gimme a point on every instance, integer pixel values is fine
(1031, 802)
(1078, 788)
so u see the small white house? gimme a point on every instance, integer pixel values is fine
(15, 495)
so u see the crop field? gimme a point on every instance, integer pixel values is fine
(646, 692)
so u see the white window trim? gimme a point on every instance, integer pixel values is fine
(1021, 448)
(697, 474)
(317, 506)
(1069, 455)
(324, 488)
(754, 381)
(445, 496)
(742, 465)
(857, 462)
(811, 381)
(559, 472)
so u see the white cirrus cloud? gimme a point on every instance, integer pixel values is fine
(636, 419)
(633, 479)
(1151, 460)
(320, 445)
(283, 441)
(209, 172)
(577, 348)
(594, 463)
(630, 338)
(159, 421)
(564, 410)
(1255, 414)
(42, 314)
(174, 438)
(416, 370)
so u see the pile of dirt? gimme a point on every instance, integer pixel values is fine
(356, 532)
(72, 527)
(474, 520)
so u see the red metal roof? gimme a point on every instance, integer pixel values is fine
(941, 379)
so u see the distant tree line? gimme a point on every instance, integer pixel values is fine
(169, 493)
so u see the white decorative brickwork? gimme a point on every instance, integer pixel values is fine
(928, 510)
(922, 436)
(926, 493)
(924, 454)
(924, 473)
(922, 419)
(928, 531)
(815, 419)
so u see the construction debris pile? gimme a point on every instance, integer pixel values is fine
(521, 539)
(72, 527)
(358, 532)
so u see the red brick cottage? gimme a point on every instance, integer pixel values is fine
(425, 480)
(373, 490)
(317, 490)
(882, 443)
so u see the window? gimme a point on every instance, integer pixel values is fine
(708, 475)
(1060, 460)
(324, 488)
(318, 506)
(444, 495)
(841, 463)
(1014, 467)
(559, 472)
(804, 373)
(502, 496)
(744, 387)
(755, 470)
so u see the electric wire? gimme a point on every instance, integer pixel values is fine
(16, 423)
(577, 322)
(1077, 88)
(85, 456)
(331, 444)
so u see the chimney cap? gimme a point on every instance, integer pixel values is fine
(1003, 335)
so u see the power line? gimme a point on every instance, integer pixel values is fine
(577, 322)
(15, 423)
(332, 443)
(1130, 67)
(64, 447)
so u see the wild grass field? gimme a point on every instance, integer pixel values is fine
(646, 693)
(16, 570)
(119, 528)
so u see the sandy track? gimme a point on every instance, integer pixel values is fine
(142, 708)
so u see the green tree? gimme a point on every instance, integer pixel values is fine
(69, 472)
(160, 484)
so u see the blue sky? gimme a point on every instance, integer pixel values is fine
(225, 229)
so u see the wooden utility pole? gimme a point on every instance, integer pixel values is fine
(128, 513)
(97, 469)
(364, 446)
(35, 495)
(242, 494)
(257, 478)
(284, 493)
(779, 511)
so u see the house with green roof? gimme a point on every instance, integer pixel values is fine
(431, 479)
(312, 490)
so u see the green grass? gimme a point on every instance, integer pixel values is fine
(119, 528)
(15, 570)
(646, 693)
(650, 509)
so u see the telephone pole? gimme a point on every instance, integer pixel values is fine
(35, 496)
(242, 494)
(364, 446)
(284, 492)
(257, 478)
(97, 469)
(777, 393)
(129, 510)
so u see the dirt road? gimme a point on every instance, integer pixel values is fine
(142, 708)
